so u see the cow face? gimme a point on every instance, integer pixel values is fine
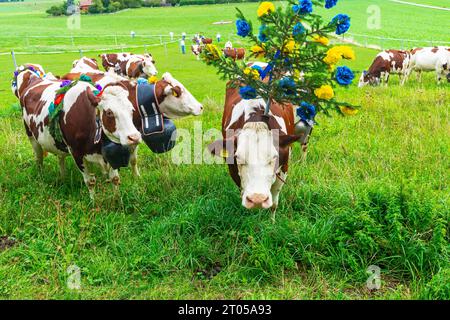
(149, 68)
(116, 113)
(258, 155)
(177, 101)
(368, 79)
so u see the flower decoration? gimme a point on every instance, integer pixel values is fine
(257, 51)
(247, 92)
(330, 3)
(265, 8)
(325, 92)
(262, 36)
(321, 39)
(65, 83)
(303, 7)
(298, 29)
(342, 22)
(306, 112)
(302, 67)
(344, 76)
(243, 27)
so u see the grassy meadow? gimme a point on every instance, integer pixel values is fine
(374, 189)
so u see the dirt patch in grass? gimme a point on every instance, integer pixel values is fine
(6, 242)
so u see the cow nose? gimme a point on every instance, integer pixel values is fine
(134, 138)
(257, 200)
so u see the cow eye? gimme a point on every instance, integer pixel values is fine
(109, 114)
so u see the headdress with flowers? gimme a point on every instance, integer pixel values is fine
(301, 67)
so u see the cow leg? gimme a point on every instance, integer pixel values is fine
(62, 165)
(89, 178)
(275, 191)
(133, 162)
(38, 152)
(114, 178)
(419, 76)
(386, 79)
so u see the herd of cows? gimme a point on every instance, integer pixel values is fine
(103, 115)
(403, 62)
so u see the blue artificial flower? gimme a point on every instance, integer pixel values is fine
(344, 76)
(65, 83)
(307, 112)
(287, 85)
(262, 36)
(303, 7)
(266, 71)
(330, 3)
(247, 93)
(142, 81)
(243, 28)
(298, 29)
(258, 68)
(342, 22)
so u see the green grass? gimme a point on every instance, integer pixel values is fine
(373, 191)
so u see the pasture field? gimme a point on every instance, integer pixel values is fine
(374, 190)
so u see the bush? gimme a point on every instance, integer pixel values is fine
(56, 11)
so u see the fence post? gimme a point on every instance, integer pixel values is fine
(71, 38)
(165, 48)
(115, 39)
(160, 40)
(13, 55)
(145, 48)
(81, 53)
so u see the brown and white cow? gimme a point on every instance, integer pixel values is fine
(431, 59)
(77, 122)
(129, 65)
(256, 147)
(207, 40)
(175, 101)
(385, 63)
(234, 53)
(85, 64)
(197, 50)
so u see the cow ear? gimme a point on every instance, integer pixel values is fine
(288, 139)
(92, 97)
(222, 148)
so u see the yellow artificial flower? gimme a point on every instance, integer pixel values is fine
(325, 92)
(332, 57)
(265, 8)
(253, 72)
(347, 52)
(323, 40)
(153, 79)
(290, 46)
(348, 111)
(257, 51)
(213, 51)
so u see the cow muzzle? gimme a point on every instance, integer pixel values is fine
(134, 139)
(257, 201)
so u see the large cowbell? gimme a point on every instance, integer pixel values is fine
(117, 155)
(158, 132)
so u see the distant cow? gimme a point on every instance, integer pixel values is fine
(256, 147)
(431, 59)
(79, 127)
(228, 45)
(234, 53)
(85, 64)
(196, 50)
(207, 40)
(129, 65)
(385, 63)
(173, 99)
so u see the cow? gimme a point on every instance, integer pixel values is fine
(86, 119)
(234, 53)
(228, 45)
(129, 65)
(196, 50)
(385, 63)
(256, 147)
(431, 59)
(174, 100)
(38, 71)
(206, 40)
(85, 64)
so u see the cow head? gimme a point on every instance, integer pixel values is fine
(368, 79)
(259, 154)
(175, 101)
(149, 68)
(116, 114)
